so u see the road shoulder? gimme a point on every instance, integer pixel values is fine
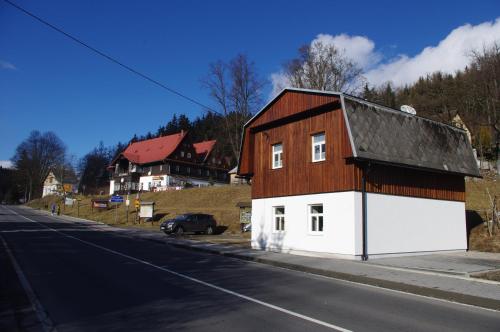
(458, 289)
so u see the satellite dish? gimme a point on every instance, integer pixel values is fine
(408, 109)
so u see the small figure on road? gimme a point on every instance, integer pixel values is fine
(58, 209)
(53, 208)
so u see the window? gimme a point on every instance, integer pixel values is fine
(316, 219)
(189, 170)
(161, 167)
(182, 154)
(189, 155)
(279, 218)
(177, 168)
(277, 155)
(318, 147)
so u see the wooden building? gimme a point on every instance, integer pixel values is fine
(335, 174)
(168, 162)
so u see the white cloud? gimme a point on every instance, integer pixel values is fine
(279, 82)
(360, 49)
(7, 65)
(449, 55)
(6, 164)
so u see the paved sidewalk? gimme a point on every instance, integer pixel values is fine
(399, 274)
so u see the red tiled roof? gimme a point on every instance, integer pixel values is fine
(152, 150)
(204, 147)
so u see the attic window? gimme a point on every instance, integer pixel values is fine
(277, 155)
(318, 147)
(182, 154)
(189, 155)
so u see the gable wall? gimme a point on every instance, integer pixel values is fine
(292, 119)
(299, 174)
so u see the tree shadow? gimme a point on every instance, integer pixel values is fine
(472, 219)
(220, 230)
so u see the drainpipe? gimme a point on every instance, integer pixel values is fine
(364, 213)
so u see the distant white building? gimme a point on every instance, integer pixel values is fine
(54, 185)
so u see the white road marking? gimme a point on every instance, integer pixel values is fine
(359, 284)
(41, 313)
(227, 291)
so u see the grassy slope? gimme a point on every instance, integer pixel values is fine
(477, 200)
(218, 201)
(221, 202)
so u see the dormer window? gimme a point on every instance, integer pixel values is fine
(277, 155)
(318, 147)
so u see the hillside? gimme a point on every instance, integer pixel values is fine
(477, 203)
(221, 202)
(218, 201)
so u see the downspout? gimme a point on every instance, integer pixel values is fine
(364, 211)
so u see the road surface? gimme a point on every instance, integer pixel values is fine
(85, 279)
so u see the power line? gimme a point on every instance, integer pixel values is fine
(110, 58)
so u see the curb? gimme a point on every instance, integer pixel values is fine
(392, 285)
(360, 279)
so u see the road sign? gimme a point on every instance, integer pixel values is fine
(116, 199)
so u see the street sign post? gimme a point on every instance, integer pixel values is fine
(116, 200)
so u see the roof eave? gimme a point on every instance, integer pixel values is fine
(428, 169)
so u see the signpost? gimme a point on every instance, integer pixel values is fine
(116, 200)
(147, 209)
(127, 203)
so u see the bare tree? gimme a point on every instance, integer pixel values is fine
(237, 89)
(35, 157)
(323, 67)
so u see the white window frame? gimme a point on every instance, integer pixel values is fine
(279, 225)
(276, 164)
(317, 216)
(321, 145)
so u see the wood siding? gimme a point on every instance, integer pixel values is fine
(299, 175)
(292, 120)
(384, 179)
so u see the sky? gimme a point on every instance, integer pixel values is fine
(48, 82)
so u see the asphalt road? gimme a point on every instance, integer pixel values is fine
(87, 279)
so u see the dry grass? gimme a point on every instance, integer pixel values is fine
(491, 275)
(477, 203)
(221, 202)
(218, 201)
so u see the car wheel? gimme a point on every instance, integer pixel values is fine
(179, 231)
(209, 230)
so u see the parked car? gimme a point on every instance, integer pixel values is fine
(189, 222)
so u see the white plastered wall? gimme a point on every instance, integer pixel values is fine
(398, 224)
(340, 221)
(146, 181)
(111, 187)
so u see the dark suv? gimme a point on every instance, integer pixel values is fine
(189, 222)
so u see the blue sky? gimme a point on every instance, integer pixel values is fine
(47, 82)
